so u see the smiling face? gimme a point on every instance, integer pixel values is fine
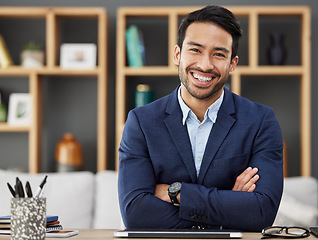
(204, 61)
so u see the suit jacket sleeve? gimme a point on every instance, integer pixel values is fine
(137, 182)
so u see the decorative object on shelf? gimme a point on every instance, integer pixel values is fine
(78, 56)
(32, 55)
(3, 110)
(135, 47)
(20, 109)
(143, 95)
(5, 58)
(68, 154)
(276, 50)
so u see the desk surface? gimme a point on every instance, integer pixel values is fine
(104, 234)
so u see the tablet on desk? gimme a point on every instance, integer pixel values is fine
(179, 233)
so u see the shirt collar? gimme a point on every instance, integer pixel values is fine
(211, 112)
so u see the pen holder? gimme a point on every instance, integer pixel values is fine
(28, 218)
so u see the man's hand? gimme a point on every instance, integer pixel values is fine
(246, 180)
(162, 192)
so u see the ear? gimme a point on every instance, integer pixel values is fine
(176, 55)
(233, 64)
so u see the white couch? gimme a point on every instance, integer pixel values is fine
(80, 199)
(299, 203)
(87, 200)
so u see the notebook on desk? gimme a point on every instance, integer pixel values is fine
(179, 233)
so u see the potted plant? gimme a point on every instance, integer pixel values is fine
(32, 55)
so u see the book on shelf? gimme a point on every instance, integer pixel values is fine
(135, 47)
(5, 58)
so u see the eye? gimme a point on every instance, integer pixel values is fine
(220, 55)
(194, 50)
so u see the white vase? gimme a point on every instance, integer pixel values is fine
(32, 59)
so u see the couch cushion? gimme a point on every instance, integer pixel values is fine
(68, 195)
(107, 213)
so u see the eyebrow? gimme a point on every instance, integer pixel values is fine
(195, 44)
(202, 46)
(222, 49)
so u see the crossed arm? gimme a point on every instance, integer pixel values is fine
(222, 201)
(246, 181)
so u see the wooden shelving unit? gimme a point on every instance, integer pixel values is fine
(253, 14)
(52, 17)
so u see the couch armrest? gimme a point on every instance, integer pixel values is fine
(298, 206)
(107, 213)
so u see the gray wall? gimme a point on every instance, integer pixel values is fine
(83, 91)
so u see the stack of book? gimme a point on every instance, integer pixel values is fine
(52, 224)
(5, 224)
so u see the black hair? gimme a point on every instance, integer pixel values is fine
(214, 14)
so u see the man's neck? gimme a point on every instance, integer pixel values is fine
(198, 106)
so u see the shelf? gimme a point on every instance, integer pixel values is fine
(150, 71)
(253, 64)
(270, 70)
(243, 70)
(21, 71)
(4, 127)
(55, 22)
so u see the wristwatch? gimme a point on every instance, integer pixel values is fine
(173, 191)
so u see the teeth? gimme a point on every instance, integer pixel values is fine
(201, 78)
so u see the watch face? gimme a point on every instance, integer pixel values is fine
(175, 187)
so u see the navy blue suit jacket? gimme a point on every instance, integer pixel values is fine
(155, 148)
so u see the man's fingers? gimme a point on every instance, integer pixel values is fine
(252, 188)
(251, 184)
(245, 181)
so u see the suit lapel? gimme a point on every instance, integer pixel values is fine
(219, 132)
(179, 134)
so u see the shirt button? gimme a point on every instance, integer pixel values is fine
(200, 126)
(199, 159)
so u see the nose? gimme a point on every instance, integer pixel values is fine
(205, 62)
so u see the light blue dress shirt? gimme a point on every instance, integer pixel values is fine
(199, 131)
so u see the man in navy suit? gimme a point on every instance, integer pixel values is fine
(202, 157)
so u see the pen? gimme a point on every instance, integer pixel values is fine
(28, 189)
(20, 188)
(42, 192)
(11, 189)
(38, 191)
(16, 188)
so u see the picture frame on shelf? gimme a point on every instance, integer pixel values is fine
(78, 56)
(20, 109)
